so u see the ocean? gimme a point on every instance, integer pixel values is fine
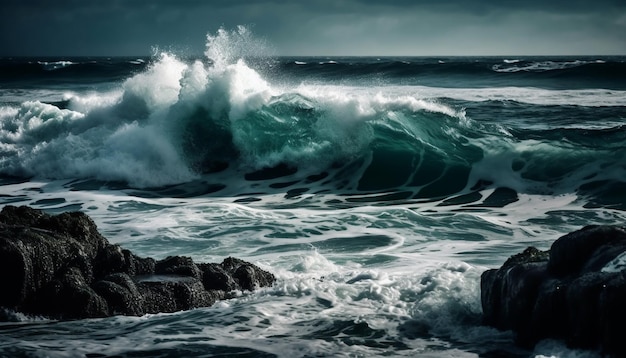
(376, 189)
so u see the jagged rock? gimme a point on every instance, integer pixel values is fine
(575, 292)
(61, 267)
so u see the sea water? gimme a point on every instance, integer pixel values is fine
(377, 190)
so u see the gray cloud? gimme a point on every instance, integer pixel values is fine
(323, 27)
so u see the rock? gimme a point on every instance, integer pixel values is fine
(506, 290)
(574, 292)
(67, 296)
(113, 259)
(121, 294)
(61, 267)
(570, 253)
(178, 265)
(247, 276)
(182, 293)
(215, 277)
(31, 257)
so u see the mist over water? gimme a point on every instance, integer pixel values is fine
(376, 189)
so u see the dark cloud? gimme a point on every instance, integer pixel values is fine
(324, 27)
(500, 5)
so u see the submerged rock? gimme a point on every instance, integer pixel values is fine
(61, 267)
(576, 291)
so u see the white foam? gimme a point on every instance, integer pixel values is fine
(538, 96)
(158, 87)
(539, 66)
(227, 47)
(193, 82)
(35, 122)
(557, 349)
(55, 65)
(247, 90)
(618, 264)
(136, 133)
(529, 95)
(85, 103)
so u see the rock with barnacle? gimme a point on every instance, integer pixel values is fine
(60, 266)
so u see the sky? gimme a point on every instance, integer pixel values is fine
(316, 27)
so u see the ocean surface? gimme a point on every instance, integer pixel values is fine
(376, 189)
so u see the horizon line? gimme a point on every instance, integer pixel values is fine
(318, 56)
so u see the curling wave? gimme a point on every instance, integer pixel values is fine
(177, 121)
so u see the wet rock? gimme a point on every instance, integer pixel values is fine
(121, 294)
(61, 267)
(574, 292)
(113, 259)
(215, 277)
(176, 294)
(572, 252)
(67, 296)
(247, 276)
(178, 265)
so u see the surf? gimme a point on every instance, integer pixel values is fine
(227, 118)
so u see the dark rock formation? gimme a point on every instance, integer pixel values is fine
(61, 267)
(576, 291)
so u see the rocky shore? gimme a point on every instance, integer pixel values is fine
(60, 266)
(575, 292)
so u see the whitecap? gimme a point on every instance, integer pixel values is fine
(56, 65)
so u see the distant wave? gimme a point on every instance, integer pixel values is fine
(75, 70)
(451, 72)
(51, 66)
(608, 73)
(541, 65)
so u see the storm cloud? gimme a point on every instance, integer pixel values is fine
(316, 27)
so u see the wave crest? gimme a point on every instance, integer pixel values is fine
(176, 121)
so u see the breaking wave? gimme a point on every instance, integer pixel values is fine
(176, 121)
